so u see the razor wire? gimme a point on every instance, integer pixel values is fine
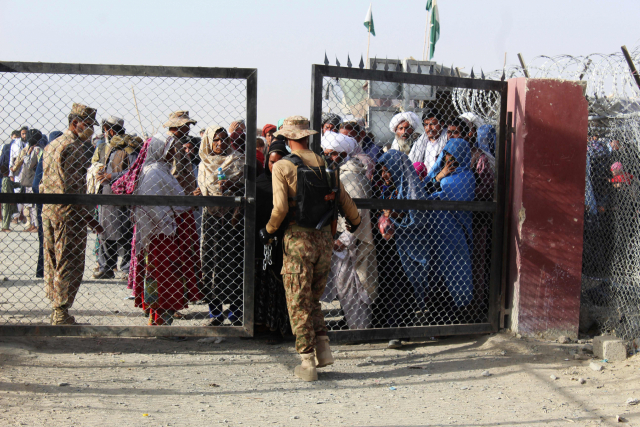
(610, 87)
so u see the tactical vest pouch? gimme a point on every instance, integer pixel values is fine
(314, 201)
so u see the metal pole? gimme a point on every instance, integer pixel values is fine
(368, 43)
(524, 66)
(634, 72)
(136, 104)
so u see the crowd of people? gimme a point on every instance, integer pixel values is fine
(611, 213)
(399, 268)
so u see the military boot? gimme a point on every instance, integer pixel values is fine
(306, 371)
(323, 352)
(60, 316)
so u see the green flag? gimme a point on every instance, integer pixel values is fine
(368, 22)
(434, 20)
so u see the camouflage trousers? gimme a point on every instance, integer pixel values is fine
(306, 266)
(64, 251)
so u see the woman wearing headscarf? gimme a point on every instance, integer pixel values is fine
(412, 236)
(451, 231)
(354, 275)
(270, 300)
(486, 139)
(394, 306)
(126, 184)
(222, 228)
(267, 134)
(166, 236)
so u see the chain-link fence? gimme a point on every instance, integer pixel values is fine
(142, 223)
(611, 261)
(610, 288)
(427, 179)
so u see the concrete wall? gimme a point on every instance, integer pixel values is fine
(547, 206)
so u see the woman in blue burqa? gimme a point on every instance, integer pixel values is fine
(412, 226)
(451, 237)
(434, 246)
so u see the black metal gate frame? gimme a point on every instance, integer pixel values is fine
(497, 207)
(248, 201)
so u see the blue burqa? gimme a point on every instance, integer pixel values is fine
(486, 137)
(452, 233)
(412, 229)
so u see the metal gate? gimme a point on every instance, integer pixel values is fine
(427, 259)
(176, 287)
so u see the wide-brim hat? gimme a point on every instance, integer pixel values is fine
(178, 119)
(295, 127)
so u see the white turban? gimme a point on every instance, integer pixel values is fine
(338, 142)
(472, 119)
(407, 116)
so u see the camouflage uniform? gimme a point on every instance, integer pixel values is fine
(307, 261)
(65, 226)
(307, 252)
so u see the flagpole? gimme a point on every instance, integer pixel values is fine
(368, 43)
(426, 31)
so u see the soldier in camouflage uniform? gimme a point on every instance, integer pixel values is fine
(65, 163)
(179, 124)
(307, 252)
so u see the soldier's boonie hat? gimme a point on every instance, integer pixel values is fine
(83, 112)
(113, 120)
(178, 119)
(295, 127)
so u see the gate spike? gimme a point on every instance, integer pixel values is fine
(361, 65)
(442, 71)
(419, 69)
(504, 75)
(431, 69)
(349, 64)
(473, 76)
(326, 60)
(375, 62)
(451, 71)
(337, 62)
(386, 64)
(482, 74)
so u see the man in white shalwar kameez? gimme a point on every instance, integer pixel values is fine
(354, 274)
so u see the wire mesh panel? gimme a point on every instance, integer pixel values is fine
(611, 261)
(426, 176)
(125, 195)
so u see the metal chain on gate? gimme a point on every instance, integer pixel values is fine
(268, 249)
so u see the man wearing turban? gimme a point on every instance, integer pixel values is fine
(407, 128)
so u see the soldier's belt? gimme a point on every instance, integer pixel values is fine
(296, 228)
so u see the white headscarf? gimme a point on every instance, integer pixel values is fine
(338, 142)
(407, 116)
(156, 180)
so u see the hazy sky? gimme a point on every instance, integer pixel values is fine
(283, 38)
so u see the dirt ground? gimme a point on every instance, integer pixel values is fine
(152, 382)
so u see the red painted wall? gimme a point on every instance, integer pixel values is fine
(549, 151)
